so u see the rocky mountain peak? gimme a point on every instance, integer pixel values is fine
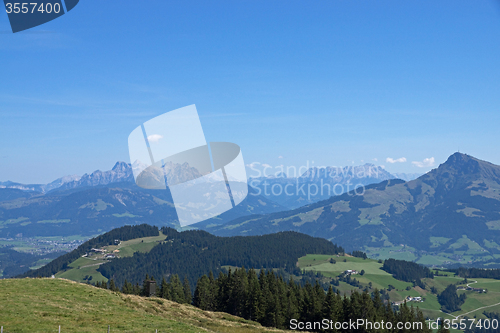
(467, 168)
(122, 167)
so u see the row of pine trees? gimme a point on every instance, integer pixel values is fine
(270, 300)
(174, 290)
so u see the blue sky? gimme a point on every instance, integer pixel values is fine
(334, 82)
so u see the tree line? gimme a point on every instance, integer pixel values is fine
(359, 254)
(477, 273)
(269, 299)
(407, 271)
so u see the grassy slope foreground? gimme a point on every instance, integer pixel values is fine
(41, 305)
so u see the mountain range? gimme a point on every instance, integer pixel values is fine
(103, 200)
(454, 209)
(319, 183)
(123, 172)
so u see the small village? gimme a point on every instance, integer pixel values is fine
(409, 299)
(351, 272)
(103, 253)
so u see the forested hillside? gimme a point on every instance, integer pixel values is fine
(194, 253)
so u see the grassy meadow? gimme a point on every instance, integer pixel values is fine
(41, 305)
(87, 266)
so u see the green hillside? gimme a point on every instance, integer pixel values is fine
(474, 305)
(48, 303)
(88, 211)
(85, 267)
(373, 272)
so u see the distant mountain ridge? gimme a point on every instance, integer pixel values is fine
(42, 188)
(406, 176)
(320, 183)
(338, 174)
(121, 172)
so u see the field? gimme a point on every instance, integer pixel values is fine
(87, 266)
(82, 308)
(395, 252)
(462, 251)
(82, 267)
(474, 305)
(373, 272)
(127, 248)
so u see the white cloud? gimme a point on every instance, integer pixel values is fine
(154, 138)
(397, 160)
(266, 165)
(280, 156)
(426, 163)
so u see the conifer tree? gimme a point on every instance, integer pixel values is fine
(291, 309)
(165, 289)
(137, 289)
(213, 294)
(368, 311)
(307, 304)
(420, 318)
(188, 297)
(127, 287)
(330, 306)
(378, 304)
(238, 293)
(144, 291)
(201, 297)
(280, 302)
(253, 305)
(112, 285)
(176, 289)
